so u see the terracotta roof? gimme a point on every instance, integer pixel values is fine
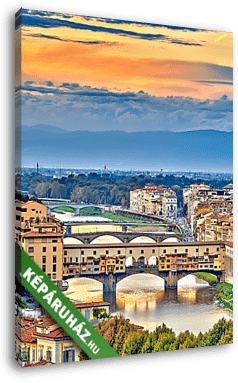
(57, 333)
(45, 234)
(45, 321)
(90, 304)
(229, 243)
(27, 321)
(138, 327)
(45, 224)
(28, 335)
(42, 362)
(29, 202)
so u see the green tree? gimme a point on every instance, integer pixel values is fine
(164, 342)
(131, 345)
(149, 344)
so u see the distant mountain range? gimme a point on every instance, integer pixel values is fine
(198, 150)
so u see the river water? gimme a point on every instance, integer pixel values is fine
(142, 299)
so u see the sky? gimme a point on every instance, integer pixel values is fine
(86, 73)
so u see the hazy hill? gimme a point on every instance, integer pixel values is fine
(207, 150)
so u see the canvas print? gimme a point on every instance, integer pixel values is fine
(123, 188)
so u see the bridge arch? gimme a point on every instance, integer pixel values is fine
(142, 239)
(72, 241)
(153, 260)
(171, 239)
(130, 261)
(101, 239)
(136, 280)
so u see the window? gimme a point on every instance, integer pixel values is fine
(54, 268)
(65, 252)
(207, 250)
(130, 251)
(40, 230)
(44, 259)
(49, 275)
(164, 251)
(33, 354)
(54, 240)
(54, 276)
(31, 240)
(54, 259)
(82, 252)
(44, 249)
(94, 252)
(41, 352)
(44, 268)
(64, 260)
(54, 248)
(142, 251)
(76, 259)
(118, 251)
(70, 259)
(53, 229)
(44, 240)
(196, 250)
(31, 249)
(48, 354)
(107, 252)
(175, 250)
(186, 250)
(153, 251)
(217, 248)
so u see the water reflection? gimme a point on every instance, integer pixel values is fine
(142, 299)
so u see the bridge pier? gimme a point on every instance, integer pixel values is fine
(109, 283)
(171, 280)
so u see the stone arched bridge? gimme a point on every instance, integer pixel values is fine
(124, 237)
(76, 208)
(170, 278)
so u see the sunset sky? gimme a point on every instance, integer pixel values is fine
(91, 73)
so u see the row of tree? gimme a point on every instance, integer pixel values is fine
(126, 339)
(106, 189)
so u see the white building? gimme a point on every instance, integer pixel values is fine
(154, 200)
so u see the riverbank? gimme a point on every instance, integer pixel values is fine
(224, 296)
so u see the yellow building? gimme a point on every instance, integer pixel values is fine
(44, 340)
(110, 264)
(44, 243)
(87, 308)
(229, 262)
(47, 341)
(116, 264)
(31, 211)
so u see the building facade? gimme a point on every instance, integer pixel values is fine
(207, 255)
(153, 200)
(44, 244)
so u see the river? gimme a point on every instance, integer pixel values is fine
(142, 299)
